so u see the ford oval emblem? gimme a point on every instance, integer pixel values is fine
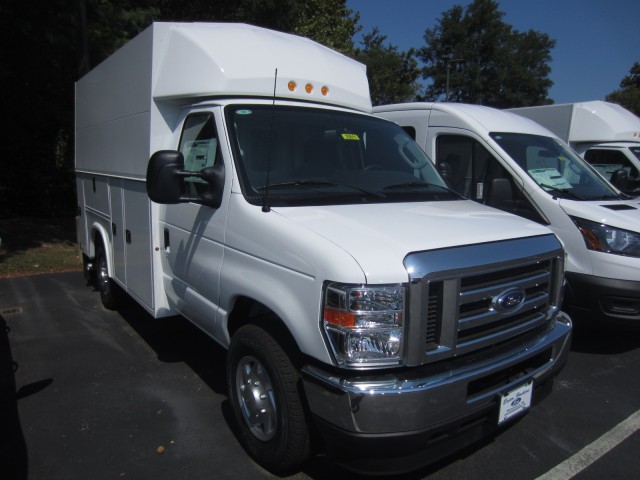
(509, 300)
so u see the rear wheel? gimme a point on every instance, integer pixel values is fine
(263, 389)
(109, 294)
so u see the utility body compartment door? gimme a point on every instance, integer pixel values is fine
(131, 238)
(137, 241)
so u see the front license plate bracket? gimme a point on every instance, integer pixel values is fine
(514, 402)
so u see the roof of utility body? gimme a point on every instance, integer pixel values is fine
(603, 121)
(476, 117)
(593, 121)
(232, 59)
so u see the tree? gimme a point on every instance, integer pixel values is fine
(49, 46)
(328, 22)
(473, 56)
(629, 93)
(393, 75)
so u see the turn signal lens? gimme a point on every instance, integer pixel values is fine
(291, 85)
(324, 90)
(308, 88)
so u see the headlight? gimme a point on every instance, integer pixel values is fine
(364, 324)
(603, 238)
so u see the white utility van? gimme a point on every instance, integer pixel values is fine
(605, 134)
(509, 162)
(235, 175)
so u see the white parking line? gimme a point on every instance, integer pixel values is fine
(592, 452)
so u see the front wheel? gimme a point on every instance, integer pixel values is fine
(109, 293)
(263, 389)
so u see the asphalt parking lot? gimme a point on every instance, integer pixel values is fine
(87, 393)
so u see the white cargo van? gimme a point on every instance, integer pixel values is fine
(235, 175)
(509, 162)
(605, 134)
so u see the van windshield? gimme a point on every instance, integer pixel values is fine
(555, 167)
(314, 156)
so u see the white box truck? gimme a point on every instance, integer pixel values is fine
(235, 176)
(509, 162)
(605, 134)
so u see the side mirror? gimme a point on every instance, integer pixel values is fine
(620, 180)
(165, 180)
(446, 172)
(500, 192)
(214, 176)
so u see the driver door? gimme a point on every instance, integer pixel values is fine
(193, 234)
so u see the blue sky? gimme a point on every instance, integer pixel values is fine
(597, 41)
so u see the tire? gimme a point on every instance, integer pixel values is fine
(109, 293)
(88, 270)
(263, 390)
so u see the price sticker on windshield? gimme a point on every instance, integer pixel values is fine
(515, 402)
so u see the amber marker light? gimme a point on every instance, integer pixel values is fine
(308, 88)
(592, 240)
(324, 90)
(291, 85)
(339, 317)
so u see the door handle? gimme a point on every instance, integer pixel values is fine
(167, 243)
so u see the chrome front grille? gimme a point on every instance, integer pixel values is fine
(478, 318)
(434, 313)
(509, 290)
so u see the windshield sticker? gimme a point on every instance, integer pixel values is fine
(350, 136)
(244, 112)
(549, 177)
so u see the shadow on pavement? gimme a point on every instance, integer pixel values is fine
(175, 339)
(603, 340)
(13, 449)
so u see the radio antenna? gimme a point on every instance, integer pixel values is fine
(265, 199)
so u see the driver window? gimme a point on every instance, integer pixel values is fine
(607, 162)
(199, 146)
(471, 170)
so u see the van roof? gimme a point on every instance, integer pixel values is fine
(477, 117)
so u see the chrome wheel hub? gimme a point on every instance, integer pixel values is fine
(256, 398)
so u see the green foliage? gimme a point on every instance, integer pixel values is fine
(47, 47)
(628, 95)
(107, 25)
(485, 60)
(38, 64)
(328, 22)
(393, 75)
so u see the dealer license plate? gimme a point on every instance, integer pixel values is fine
(515, 402)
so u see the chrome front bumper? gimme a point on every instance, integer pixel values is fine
(421, 398)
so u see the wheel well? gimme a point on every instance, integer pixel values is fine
(248, 311)
(96, 242)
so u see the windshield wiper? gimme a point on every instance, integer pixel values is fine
(562, 191)
(420, 184)
(300, 183)
(621, 196)
(319, 183)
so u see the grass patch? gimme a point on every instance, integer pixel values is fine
(32, 246)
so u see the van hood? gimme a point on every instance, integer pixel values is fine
(397, 229)
(623, 214)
